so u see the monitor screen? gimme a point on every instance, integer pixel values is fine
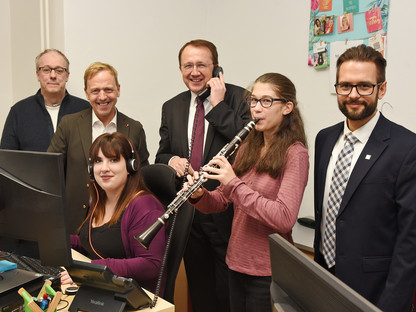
(33, 206)
(300, 284)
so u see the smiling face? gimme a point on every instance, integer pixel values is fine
(359, 109)
(52, 83)
(110, 173)
(196, 79)
(269, 118)
(102, 93)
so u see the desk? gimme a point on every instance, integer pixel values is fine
(161, 305)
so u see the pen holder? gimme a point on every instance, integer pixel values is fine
(32, 306)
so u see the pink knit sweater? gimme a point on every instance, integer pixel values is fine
(262, 206)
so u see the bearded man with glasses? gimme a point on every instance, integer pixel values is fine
(32, 122)
(365, 189)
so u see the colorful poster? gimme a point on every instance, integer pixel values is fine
(351, 6)
(354, 27)
(373, 20)
(345, 23)
(325, 5)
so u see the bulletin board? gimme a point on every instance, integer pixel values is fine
(345, 23)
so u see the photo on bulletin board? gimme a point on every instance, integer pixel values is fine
(329, 24)
(345, 23)
(319, 28)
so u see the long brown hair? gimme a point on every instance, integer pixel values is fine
(291, 130)
(115, 145)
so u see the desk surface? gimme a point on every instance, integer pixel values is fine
(161, 305)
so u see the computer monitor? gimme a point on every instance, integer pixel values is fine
(300, 284)
(33, 206)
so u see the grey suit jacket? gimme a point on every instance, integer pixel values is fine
(73, 138)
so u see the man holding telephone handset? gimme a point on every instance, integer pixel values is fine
(195, 125)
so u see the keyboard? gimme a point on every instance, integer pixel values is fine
(31, 264)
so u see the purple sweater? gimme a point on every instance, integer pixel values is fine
(140, 264)
(262, 205)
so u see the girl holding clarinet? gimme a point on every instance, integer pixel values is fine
(266, 186)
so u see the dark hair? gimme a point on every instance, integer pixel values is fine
(201, 43)
(363, 53)
(291, 130)
(115, 145)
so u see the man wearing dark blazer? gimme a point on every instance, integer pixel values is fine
(225, 114)
(31, 122)
(76, 133)
(375, 224)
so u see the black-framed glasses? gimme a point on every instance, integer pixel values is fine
(363, 89)
(264, 101)
(47, 70)
(199, 66)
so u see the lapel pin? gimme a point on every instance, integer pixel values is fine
(367, 157)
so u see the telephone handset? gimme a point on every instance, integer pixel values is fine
(206, 92)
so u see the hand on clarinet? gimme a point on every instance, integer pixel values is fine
(220, 169)
(199, 192)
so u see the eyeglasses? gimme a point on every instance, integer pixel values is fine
(47, 70)
(264, 101)
(363, 89)
(189, 67)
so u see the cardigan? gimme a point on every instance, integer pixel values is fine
(140, 264)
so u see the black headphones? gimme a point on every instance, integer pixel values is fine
(131, 165)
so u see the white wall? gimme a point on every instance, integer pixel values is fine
(142, 39)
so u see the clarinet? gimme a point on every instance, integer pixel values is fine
(229, 149)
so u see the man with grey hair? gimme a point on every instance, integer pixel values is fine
(32, 122)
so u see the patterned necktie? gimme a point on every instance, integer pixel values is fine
(336, 192)
(198, 136)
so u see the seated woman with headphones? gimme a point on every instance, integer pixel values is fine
(122, 207)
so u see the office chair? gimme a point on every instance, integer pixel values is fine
(161, 179)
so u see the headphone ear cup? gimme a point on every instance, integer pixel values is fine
(91, 170)
(132, 165)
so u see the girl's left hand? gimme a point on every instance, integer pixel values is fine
(224, 172)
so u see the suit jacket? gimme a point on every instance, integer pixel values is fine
(376, 223)
(73, 138)
(225, 120)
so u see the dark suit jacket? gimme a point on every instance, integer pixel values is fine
(376, 223)
(73, 138)
(225, 120)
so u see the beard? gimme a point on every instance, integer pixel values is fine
(369, 108)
